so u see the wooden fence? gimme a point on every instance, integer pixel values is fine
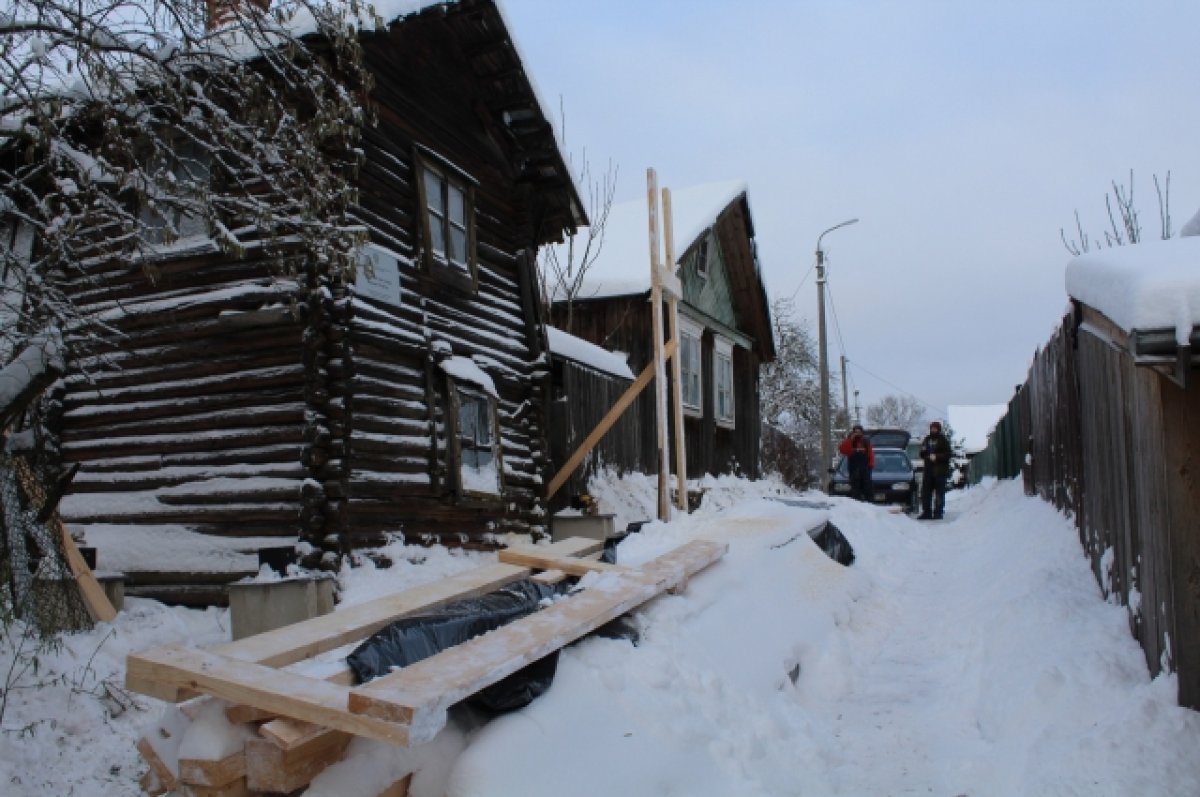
(1113, 444)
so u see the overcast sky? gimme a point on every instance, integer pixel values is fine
(963, 135)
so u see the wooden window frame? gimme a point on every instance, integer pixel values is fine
(443, 266)
(690, 330)
(455, 393)
(723, 352)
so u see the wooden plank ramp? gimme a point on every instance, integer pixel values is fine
(302, 716)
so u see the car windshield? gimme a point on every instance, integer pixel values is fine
(891, 461)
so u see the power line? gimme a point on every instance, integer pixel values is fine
(897, 387)
(802, 281)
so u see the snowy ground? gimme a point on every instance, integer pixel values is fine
(972, 656)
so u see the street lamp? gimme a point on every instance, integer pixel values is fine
(826, 443)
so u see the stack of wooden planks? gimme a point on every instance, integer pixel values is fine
(296, 713)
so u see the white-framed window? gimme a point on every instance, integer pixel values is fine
(690, 372)
(478, 455)
(447, 197)
(723, 381)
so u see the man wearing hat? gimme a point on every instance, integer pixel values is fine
(935, 451)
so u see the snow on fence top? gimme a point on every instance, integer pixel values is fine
(587, 353)
(623, 266)
(1146, 286)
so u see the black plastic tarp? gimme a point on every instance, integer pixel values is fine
(412, 639)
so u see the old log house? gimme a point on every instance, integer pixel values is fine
(411, 402)
(725, 333)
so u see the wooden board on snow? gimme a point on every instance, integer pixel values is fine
(419, 694)
(409, 705)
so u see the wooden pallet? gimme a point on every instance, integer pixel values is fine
(302, 721)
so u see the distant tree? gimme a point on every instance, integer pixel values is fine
(1123, 218)
(790, 388)
(897, 412)
(562, 269)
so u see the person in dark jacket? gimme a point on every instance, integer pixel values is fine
(935, 453)
(860, 461)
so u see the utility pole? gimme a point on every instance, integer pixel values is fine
(845, 397)
(857, 409)
(826, 442)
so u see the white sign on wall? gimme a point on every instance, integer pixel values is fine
(378, 275)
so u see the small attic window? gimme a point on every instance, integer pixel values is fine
(702, 257)
(447, 198)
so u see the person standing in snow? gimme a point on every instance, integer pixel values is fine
(860, 461)
(936, 453)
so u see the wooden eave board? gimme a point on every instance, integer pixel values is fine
(420, 693)
(283, 692)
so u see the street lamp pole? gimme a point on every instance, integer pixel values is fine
(826, 442)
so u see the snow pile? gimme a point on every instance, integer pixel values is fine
(970, 656)
(1151, 285)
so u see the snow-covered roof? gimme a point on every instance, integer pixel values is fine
(1145, 286)
(564, 344)
(623, 266)
(972, 423)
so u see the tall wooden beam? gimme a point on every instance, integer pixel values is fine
(674, 294)
(660, 382)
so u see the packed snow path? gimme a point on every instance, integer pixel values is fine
(969, 656)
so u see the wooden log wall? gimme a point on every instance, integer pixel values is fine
(224, 399)
(193, 389)
(1113, 445)
(393, 396)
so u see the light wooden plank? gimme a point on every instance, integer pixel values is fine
(286, 693)
(308, 638)
(267, 770)
(674, 294)
(150, 784)
(98, 605)
(399, 788)
(420, 693)
(235, 788)
(288, 734)
(163, 778)
(548, 577)
(205, 772)
(530, 556)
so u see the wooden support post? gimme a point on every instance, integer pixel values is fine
(673, 297)
(660, 382)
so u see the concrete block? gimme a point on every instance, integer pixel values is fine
(258, 606)
(593, 527)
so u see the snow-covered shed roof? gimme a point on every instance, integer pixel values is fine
(623, 266)
(972, 423)
(1154, 285)
(564, 344)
